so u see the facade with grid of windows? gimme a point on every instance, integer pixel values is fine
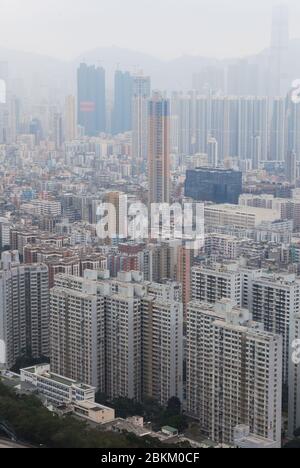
(56, 389)
(234, 372)
(275, 302)
(24, 311)
(219, 281)
(124, 336)
(77, 334)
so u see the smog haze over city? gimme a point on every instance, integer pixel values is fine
(165, 29)
(149, 226)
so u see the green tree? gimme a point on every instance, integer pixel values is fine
(174, 407)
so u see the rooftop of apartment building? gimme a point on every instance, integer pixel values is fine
(44, 372)
(223, 267)
(279, 279)
(233, 317)
(238, 208)
(218, 235)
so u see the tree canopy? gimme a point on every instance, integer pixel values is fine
(150, 410)
(34, 424)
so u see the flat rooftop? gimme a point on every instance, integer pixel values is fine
(89, 405)
(216, 170)
(254, 440)
(58, 378)
(242, 209)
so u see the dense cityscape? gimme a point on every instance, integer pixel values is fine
(150, 255)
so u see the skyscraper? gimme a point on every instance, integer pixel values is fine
(70, 118)
(159, 149)
(278, 82)
(213, 283)
(256, 151)
(58, 136)
(212, 151)
(243, 78)
(123, 328)
(14, 118)
(294, 376)
(224, 114)
(4, 233)
(4, 112)
(91, 99)
(123, 336)
(253, 121)
(183, 274)
(122, 112)
(118, 217)
(36, 129)
(291, 167)
(232, 126)
(141, 94)
(77, 327)
(182, 109)
(277, 130)
(162, 349)
(275, 303)
(24, 309)
(233, 372)
(292, 128)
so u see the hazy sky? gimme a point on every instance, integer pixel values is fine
(165, 28)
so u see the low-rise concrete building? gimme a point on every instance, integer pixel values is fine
(243, 439)
(94, 412)
(56, 389)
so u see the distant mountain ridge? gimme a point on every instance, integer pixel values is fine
(39, 72)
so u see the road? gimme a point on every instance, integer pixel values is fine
(7, 444)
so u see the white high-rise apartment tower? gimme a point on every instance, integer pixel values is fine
(275, 303)
(162, 349)
(210, 283)
(234, 373)
(141, 95)
(24, 310)
(123, 336)
(70, 119)
(77, 331)
(159, 149)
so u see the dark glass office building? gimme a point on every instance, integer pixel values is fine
(91, 99)
(215, 185)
